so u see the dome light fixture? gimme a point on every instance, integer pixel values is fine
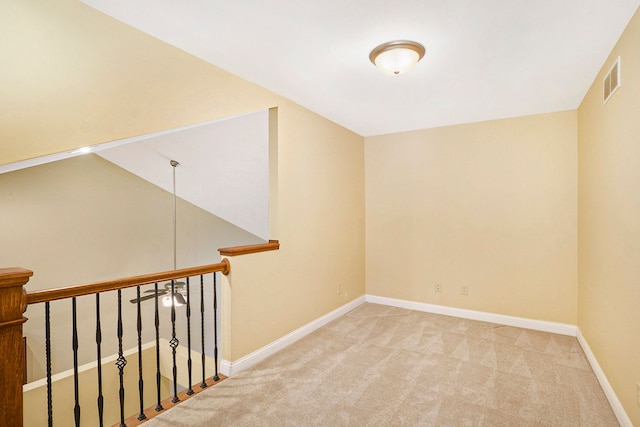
(397, 57)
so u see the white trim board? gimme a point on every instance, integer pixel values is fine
(616, 406)
(520, 322)
(230, 368)
(538, 325)
(48, 158)
(107, 360)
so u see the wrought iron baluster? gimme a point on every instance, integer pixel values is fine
(202, 355)
(47, 346)
(216, 377)
(174, 342)
(76, 387)
(142, 416)
(121, 362)
(99, 361)
(189, 363)
(158, 376)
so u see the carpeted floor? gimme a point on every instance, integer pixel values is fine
(386, 366)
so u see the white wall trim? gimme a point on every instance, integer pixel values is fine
(36, 161)
(231, 368)
(538, 325)
(86, 367)
(617, 407)
(520, 322)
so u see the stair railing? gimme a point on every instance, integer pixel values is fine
(14, 300)
(13, 303)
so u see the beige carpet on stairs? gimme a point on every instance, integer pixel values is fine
(386, 366)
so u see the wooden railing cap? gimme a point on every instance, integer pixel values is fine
(127, 282)
(273, 245)
(14, 276)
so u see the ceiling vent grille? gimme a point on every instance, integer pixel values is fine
(612, 81)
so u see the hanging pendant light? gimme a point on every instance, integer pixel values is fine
(397, 57)
(174, 297)
(174, 292)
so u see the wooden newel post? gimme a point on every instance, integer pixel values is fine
(13, 303)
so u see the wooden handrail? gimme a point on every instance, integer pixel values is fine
(12, 306)
(128, 282)
(273, 245)
(111, 285)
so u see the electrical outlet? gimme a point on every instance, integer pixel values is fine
(338, 288)
(464, 290)
(438, 287)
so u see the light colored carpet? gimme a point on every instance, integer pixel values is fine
(385, 366)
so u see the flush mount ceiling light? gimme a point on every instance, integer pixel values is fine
(397, 57)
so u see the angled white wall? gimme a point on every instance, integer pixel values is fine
(224, 167)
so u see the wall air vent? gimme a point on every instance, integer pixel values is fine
(612, 81)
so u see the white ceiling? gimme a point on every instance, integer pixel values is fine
(486, 59)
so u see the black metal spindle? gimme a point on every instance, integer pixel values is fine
(158, 375)
(121, 362)
(76, 387)
(189, 362)
(47, 346)
(202, 355)
(174, 342)
(142, 416)
(99, 362)
(216, 377)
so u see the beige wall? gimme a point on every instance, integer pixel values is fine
(83, 220)
(489, 205)
(321, 230)
(609, 222)
(79, 77)
(72, 76)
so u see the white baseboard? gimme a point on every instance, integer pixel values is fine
(520, 322)
(230, 368)
(621, 415)
(538, 325)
